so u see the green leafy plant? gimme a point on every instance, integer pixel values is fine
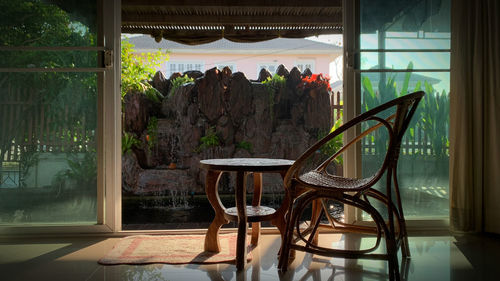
(209, 140)
(245, 145)
(153, 94)
(82, 172)
(387, 90)
(274, 84)
(152, 132)
(29, 158)
(431, 117)
(128, 142)
(178, 82)
(333, 145)
(434, 112)
(69, 98)
(137, 69)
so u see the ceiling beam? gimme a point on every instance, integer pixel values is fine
(234, 3)
(154, 18)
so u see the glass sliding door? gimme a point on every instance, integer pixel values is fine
(402, 47)
(50, 77)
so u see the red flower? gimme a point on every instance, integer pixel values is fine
(147, 138)
(315, 81)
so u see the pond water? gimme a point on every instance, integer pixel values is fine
(150, 212)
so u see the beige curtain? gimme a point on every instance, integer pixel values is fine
(475, 116)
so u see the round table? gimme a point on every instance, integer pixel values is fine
(242, 213)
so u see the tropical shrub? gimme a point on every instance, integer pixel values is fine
(137, 70)
(245, 145)
(178, 82)
(209, 140)
(82, 172)
(335, 144)
(152, 132)
(431, 117)
(273, 85)
(434, 112)
(128, 142)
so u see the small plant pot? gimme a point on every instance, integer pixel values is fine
(172, 166)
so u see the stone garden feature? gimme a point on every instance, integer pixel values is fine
(218, 115)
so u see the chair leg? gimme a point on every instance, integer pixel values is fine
(284, 253)
(317, 212)
(285, 247)
(405, 247)
(292, 217)
(392, 256)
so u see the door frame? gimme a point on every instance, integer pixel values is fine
(108, 127)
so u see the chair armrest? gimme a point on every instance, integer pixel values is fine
(292, 171)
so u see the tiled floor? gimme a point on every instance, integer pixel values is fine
(433, 258)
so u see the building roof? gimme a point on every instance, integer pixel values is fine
(145, 43)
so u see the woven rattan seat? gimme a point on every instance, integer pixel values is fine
(327, 181)
(317, 187)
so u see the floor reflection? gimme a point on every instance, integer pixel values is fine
(442, 258)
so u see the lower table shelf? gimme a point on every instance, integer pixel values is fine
(254, 213)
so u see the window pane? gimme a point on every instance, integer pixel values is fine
(37, 23)
(406, 40)
(423, 163)
(48, 148)
(405, 24)
(48, 59)
(401, 60)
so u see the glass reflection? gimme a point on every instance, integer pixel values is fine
(48, 148)
(48, 23)
(423, 163)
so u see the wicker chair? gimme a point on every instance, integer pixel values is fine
(316, 187)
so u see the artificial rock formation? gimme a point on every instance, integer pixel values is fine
(246, 119)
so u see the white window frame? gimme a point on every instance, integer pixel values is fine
(231, 65)
(184, 64)
(306, 62)
(266, 65)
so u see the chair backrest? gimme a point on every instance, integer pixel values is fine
(405, 109)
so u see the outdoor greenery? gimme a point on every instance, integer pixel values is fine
(82, 171)
(152, 133)
(137, 70)
(431, 117)
(29, 158)
(61, 106)
(273, 85)
(178, 82)
(335, 144)
(244, 145)
(128, 142)
(434, 112)
(209, 140)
